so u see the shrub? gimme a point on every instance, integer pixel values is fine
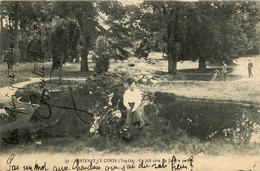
(109, 111)
(107, 116)
(102, 55)
(11, 57)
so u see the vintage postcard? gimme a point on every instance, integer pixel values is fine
(130, 85)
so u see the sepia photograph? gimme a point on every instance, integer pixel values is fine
(130, 85)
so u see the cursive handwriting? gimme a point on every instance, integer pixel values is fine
(177, 166)
(78, 167)
(36, 54)
(43, 101)
(36, 166)
(156, 166)
(11, 166)
(60, 168)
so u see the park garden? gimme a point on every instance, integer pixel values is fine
(64, 68)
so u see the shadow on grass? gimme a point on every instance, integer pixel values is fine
(179, 124)
(204, 71)
(199, 75)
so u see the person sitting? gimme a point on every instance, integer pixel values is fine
(132, 101)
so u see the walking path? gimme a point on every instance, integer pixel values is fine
(240, 69)
(7, 92)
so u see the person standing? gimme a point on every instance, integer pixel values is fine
(224, 70)
(250, 66)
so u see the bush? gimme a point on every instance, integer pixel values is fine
(109, 111)
(102, 55)
(11, 58)
(102, 64)
(107, 115)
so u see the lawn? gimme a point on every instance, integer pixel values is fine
(237, 92)
(193, 114)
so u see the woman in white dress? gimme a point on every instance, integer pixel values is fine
(132, 101)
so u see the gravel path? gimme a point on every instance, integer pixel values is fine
(7, 92)
(241, 69)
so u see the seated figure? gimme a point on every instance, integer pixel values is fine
(132, 101)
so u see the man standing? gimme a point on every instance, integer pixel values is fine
(224, 70)
(250, 66)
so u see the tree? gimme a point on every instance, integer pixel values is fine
(118, 31)
(64, 40)
(2, 29)
(10, 13)
(85, 14)
(220, 31)
(248, 12)
(208, 31)
(93, 17)
(165, 18)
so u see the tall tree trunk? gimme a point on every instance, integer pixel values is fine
(202, 63)
(84, 58)
(173, 41)
(77, 59)
(84, 50)
(16, 26)
(61, 69)
(2, 32)
(172, 67)
(172, 62)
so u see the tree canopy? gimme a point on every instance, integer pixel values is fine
(204, 30)
(207, 31)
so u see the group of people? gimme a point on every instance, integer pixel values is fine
(224, 70)
(133, 97)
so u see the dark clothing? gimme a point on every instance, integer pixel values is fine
(250, 66)
(138, 116)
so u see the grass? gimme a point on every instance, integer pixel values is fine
(192, 93)
(157, 137)
(4, 81)
(166, 143)
(205, 71)
(244, 92)
(23, 71)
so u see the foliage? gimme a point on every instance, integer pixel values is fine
(107, 118)
(32, 19)
(64, 40)
(208, 120)
(109, 111)
(103, 53)
(118, 32)
(143, 49)
(11, 57)
(208, 31)
(243, 130)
